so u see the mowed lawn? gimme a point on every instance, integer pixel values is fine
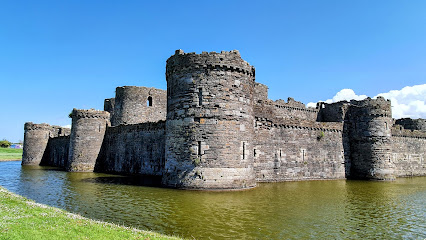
(7, 154)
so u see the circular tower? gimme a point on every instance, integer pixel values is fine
(36, 137)
(138, 104)
(370, 139)
(209, 127)
(87, 134)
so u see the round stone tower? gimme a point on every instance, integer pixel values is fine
(87, 133)
(36, 137)
(209, 127)
(138, 104)
(370, 123)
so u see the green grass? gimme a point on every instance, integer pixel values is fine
(21, 218)
(10, 154)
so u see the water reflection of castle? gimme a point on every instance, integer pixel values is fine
(215, 128)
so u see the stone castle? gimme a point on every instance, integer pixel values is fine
(215, 128)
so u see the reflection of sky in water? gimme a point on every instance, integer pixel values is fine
(313, 209)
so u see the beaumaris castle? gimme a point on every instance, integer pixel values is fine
(215, 128)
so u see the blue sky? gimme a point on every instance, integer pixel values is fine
(57, 55)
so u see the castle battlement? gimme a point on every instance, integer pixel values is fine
(224, 61)
(36, 126)
(90, 113)
(215, 128)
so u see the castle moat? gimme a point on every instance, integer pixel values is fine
(334, 209)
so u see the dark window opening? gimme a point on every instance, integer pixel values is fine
(244, 150)
(254, 153)
(149, 101)
(199, 148)
(200, 96)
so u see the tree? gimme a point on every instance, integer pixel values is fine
(5, 144)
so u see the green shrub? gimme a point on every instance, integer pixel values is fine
(5, 144)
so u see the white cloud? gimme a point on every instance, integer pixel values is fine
(344, 94)
(408, 102)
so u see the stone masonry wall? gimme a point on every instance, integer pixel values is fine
(368, 124)
(298, 151)
(413, 124)
(138, 104)
(36, 137)
(408, 152)
(87, 134)
(260, 92)
(56, 153)
(279, 109)
(333, 112)
(133, 149)
(209, 126)
(109, 105)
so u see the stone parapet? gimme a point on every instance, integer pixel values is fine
(223, 61)
(89, 113)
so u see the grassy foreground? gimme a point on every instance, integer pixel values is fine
(21, 218)
(7, 154)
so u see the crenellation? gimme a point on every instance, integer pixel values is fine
(215, 128)
(90, 113)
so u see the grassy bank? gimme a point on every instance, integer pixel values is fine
(21, 218)
(7, 154)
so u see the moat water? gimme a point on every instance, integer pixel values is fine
(337, 209)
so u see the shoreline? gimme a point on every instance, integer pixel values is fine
(10, 160)
(22, 218)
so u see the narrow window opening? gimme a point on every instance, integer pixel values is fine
(303, 155)
(280, 153)
(386, 125)
(200, 96)
(149, 102)
(99, 127)
(199, 148)
(254, 153)
(244, 150)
